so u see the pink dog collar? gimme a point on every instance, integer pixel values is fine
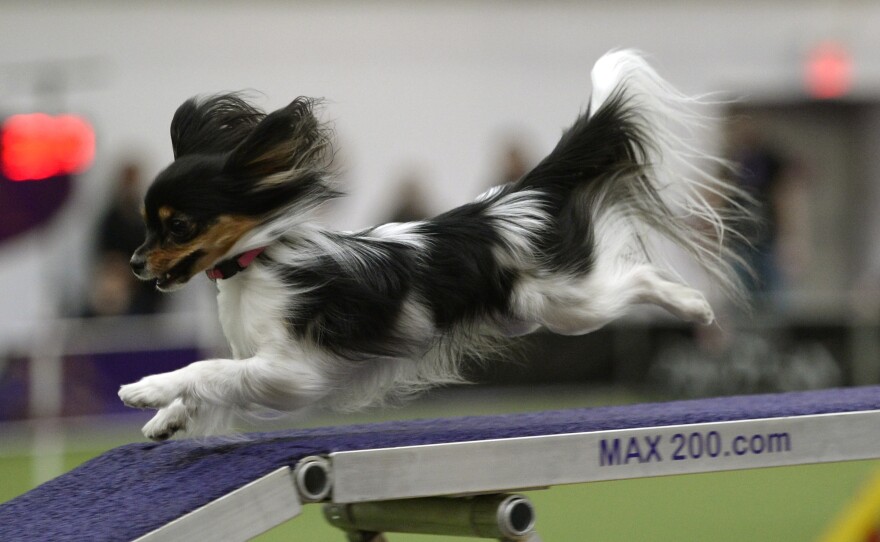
(232, 266)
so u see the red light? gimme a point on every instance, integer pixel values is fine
(38, 146)
(829, 71)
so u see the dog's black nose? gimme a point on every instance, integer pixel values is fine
(137, 264)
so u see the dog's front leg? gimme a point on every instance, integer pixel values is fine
(200, 394)
(157, 391)
(168, 421)
(164, 392)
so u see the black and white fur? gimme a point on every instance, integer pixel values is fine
(351, 319)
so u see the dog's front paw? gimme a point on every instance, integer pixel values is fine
(155, 391)
(167, 422)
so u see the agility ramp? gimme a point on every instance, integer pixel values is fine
(449, 476)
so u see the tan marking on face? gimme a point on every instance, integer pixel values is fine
(215, 241)
(221, 236)
(165, 212)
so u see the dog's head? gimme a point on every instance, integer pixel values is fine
(235, 171)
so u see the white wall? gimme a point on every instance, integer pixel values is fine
(430, 84)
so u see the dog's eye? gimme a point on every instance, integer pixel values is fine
(179, 228)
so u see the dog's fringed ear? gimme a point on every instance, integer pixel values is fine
(287, 139)
(214, 124)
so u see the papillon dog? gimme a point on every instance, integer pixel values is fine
(349, 319)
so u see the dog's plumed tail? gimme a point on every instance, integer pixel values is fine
(627, 170)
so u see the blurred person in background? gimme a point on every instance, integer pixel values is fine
(411, 203)
(513, 161)
(113, 289)
(761, 171)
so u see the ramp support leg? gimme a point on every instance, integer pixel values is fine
(505, 517)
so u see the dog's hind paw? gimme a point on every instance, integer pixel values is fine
(684, 302)
(167, 422)
(698, 310)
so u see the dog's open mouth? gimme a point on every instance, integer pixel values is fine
(167, 281)
(179, 274)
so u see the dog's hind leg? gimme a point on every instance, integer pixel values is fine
(680, 300)
(575, 306)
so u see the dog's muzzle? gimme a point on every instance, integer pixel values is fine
(138, 266)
